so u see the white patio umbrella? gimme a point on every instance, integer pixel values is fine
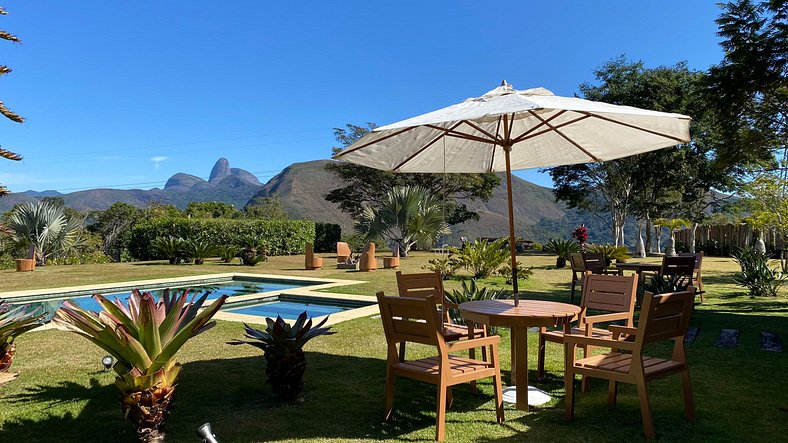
(507, 129)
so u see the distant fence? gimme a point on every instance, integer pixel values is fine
(727, 237)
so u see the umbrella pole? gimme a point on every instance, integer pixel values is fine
(512, 247)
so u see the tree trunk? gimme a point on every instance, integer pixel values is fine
(760, 244)
(640, 249)
(649, 239)
(671, 250)
(693, 230)
(658, 238)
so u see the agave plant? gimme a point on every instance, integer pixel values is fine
(482, 258)
(561, 248)
(610, 252)
(471, 292)
(253, 251)
(15, 320)
(44, 230)
(143, 337)
(199, 250)
(283, 351)
(170, 248)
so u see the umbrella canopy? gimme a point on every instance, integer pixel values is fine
(508, 129)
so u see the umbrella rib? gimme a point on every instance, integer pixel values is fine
(521, 136)
(423, 148)
(476, 127)
(393, 134)
(497, 130)
(458, 134)
(577, 145)
(524, 137)
(610, 120)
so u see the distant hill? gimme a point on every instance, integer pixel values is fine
(302, 187)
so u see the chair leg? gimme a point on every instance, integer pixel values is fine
(497, 382)
(612, 393)
(585, 384)
(569, 388)
(449, 397)
(689, 400)
(402, 352)
(645, 408)
(440, 415)
(572, 294)
(389, 403)
(540, 358)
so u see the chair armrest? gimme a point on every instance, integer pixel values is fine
(591, 319)
(622, 330)
(449, 304)
(576, 339)
(473, 343)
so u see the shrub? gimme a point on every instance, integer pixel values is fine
(522, 273)
(482, 258)
(326, 236)
(228, 252)
(282, 237)
(611, 252)
(446, 266)
(561, 248)
(169, 248)
(253, 251)
(755, 274)
(198, 250)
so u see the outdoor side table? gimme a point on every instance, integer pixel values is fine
(530, 313)
(639, 268)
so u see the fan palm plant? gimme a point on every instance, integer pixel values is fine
(283, 350)
(407, 215)
(14, 320)
(44, 229)
(673, 225)
(143, 337)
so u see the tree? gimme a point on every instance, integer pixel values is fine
(406, 216)
(365, 186)
(266, 208)
(114, 226)
(3, 109)
(159, 210)
(44, 230)
(211, 210)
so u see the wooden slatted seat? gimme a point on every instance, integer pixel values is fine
(426, 284)
(415, 320)
(663, 317)
(613, 294)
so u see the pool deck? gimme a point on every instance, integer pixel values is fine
(309, 292)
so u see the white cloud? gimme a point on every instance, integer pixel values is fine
(157, 161)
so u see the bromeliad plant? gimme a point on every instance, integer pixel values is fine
(143, 337)
(15, 320)
(282, 346)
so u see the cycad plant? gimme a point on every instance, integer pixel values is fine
(482, 258)
(406, 215)
(44, 229)
(143, 337)
(228, 252)
(15, 320)
(673, 225)
(561, 248)
(253, 251)
(170, 248)
(283, 350)
(610, 252)
(198, 250)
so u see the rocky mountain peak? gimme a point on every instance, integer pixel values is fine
(221, 170)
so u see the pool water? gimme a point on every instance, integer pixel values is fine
(288, 310)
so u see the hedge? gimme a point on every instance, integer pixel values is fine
(326, 236)
(282, 237)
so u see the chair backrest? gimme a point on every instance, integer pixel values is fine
(576, 261)
(594, 262)
(698, 258)
(665, 316)
(343, 249)
(421, 285)
(409, 319)
(611, 293)
(682, 267)
(367, 262)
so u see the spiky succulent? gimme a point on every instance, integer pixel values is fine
(15, 320)
(282, 346)
(143, 337)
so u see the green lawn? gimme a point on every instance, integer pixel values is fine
(63, 394)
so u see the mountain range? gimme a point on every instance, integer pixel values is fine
(301, 187)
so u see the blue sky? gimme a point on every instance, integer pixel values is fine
(125, 94)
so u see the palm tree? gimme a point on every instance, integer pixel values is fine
(673, 224)
(3, 109)
(44, 230)
(407, 215)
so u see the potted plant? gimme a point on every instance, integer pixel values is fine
(283, 350)
(143, 337)
(561, 248)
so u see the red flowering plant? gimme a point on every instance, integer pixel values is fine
(581, 235)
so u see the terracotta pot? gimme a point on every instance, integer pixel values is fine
(25, 264)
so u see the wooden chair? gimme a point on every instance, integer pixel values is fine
(430, 284)
(415, 320)
(310, 261)
(662, 317)
(578, 272)
(679, 267)
(368, 262)
(613, 294)
(343, 252)
(697, 277)
(595, 262)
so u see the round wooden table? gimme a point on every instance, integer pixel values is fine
(530, 313)
(639, 268)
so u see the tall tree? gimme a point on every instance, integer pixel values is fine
(365, 186)
(3, 109)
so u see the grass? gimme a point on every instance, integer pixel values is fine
(63, 394)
